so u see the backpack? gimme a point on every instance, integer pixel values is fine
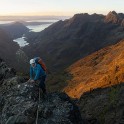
(39, 61)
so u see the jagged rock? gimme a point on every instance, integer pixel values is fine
(16, 101)
(19, 103)
(20, 106)
(8, 83)
(113, 17)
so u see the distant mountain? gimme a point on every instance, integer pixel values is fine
(26, 23)
(16, 29)
(8, 48)
(65, 42)
(30, 18)
(103, 68)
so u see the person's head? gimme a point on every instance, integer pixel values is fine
(32, 62)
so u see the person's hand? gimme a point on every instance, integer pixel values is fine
(32, 81)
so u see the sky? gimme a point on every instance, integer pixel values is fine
(58, 7)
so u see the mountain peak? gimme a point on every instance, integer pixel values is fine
(113, 12)
(112, 16)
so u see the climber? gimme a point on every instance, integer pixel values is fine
(37, 73)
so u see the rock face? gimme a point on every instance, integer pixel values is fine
(115, 18)
(19, 102)
(104, 106)
(20, 106)
(112, 17)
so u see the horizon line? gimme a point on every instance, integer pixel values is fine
(53, 15)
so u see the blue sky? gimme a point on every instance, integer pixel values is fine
(59, 7)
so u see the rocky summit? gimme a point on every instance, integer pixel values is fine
(19, 102)
(113, 17)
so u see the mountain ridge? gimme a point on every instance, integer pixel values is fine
(79, 36)
(15, 29)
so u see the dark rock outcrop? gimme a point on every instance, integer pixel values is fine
(20, 106)
(19, 102)
(104, 106)
(5, 71)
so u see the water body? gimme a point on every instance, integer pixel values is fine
(21, 41)
(37, 28)
(44, 20)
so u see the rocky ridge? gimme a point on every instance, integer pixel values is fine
(19, 102)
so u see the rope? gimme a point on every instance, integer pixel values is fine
(38, 108)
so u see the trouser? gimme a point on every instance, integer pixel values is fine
(42, 84)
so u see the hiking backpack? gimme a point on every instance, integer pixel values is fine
(39, 61)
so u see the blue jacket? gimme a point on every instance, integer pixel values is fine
(37, 72)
